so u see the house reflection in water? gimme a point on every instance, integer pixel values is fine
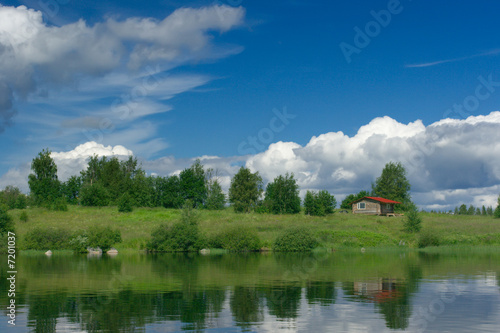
(381, 290)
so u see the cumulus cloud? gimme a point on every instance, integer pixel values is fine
(35, 54)
(449, 162)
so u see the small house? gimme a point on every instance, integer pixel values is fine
(373, 206)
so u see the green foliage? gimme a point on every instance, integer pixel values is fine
(47, 239)
(462, 210)
(428, 238)
(180, 237)
(497, 209)
(189, 215)
(393, 184)
(215, 197)
(103, 237)
(412, 221)
(357, 238)
(94, 195)
(6, 223)
(59, 204)
(44, 185)
(23, 217)
(12, 197)
(319, 204)
(71, 189)
(346, 203)
(282, 195)
(245, 190)
(79, 244)
(125, 203)
(192, 184)
(237, 239)
(170, 189)
(295, 240)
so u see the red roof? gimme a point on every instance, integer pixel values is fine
(379, 199)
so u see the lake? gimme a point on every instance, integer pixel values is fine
(375, 291)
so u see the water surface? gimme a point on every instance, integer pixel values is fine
(322, 292)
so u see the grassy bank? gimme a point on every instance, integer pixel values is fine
(333, 231)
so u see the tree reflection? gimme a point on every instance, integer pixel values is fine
(246, 305)
(320, 292)
(283, 301)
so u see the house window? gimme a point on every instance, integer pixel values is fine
(361, 205)
(388, 206)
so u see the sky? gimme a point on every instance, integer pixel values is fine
(328, 90)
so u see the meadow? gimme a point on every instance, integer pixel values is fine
(335, 231)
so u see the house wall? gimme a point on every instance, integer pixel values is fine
(371, 208)
(387, 208)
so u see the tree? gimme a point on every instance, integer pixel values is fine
(497, 209)
(192, 184)
(12, 197)
(171, 192)
(215, 197)
(393, 184)
(471, 210)
(478, 211)
(346, 203)
(94, 195)
(71, 189)
(412, 221)
(245, 190)
(282, 195)
(319, 204)
(462, 210)
(6, 223)
(44, 185)
(489, 211)
(483, 211)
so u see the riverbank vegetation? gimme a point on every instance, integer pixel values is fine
(219, 228)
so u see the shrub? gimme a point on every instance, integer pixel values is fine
(180, 237)
(412, 221)
(45, 239)
(79, 243)
(125, 203)
(103, 237)
(60, 204)
(295, 240)
(237, 239)
(428, 239)
(6, 223)
(23, 217)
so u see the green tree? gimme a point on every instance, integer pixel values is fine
(6, 223)
(125, 203)
(44, 185)
(282, 195)
(215, 197)
(94, 195)
(412, 221)
(171, 192)
(12, 197)
(192, 184)
(497, 209)
(483, 211)
(319, 204)
(346, 203)
(471, 210)
(462, 210)
(245, 190)
(489, 211)
(71, 189)
(478, 211)
(393, 184)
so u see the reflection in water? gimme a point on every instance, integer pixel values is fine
(130, 293)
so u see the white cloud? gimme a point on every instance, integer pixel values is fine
(36, 56)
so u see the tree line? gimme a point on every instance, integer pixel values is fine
(110, 181)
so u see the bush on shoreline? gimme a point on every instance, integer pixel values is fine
(236, 239)
(295, 240)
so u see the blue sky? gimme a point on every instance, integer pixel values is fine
(219, 78)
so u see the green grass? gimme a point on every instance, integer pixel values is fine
(334, 231)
